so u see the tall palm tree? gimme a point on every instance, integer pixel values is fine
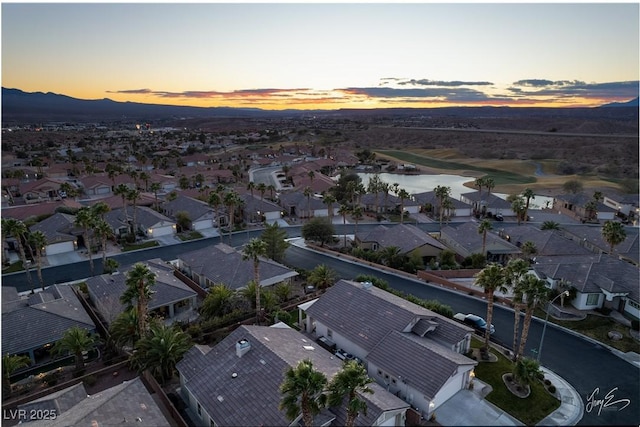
(374, 187)
(514, 273)
(10, 364)
(321, 277)
(100, 209)
(217, 301)
(160, 350)
(253, 250)
(385, 188)
(307, 193)
(262, 188)
(528, 249)
(231, 200)
(75, 340)
(329, 199)
(215, 201)
(155, 188)
(403, 195)
(356, 214)
(123, 331)
(613, 233)
(442, 193)
(351, 382)
(536, 293)
(491, 279)
(479, 182)
(133, 196)
(489, 183)
(303, 392)
(271, 188)
(526, 371)
(344, 210)
(122, 190)
(483, 228)
(390, 255)
(144, 176)
(38, 241)
(86, 220)
(251, 186)
(528, 194)
(18, 230)
(103, 230)
(139, 281)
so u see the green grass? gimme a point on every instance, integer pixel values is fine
(597, 327)
(530, 410)
(16, 266)
(144, 245)
(500, 177)
(190, 235)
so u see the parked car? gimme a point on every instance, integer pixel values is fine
(499, 217)
(327, 344)
(343, 355)
(476, 322)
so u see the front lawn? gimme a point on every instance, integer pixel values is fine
(16, 266)
(189, 235)
(144, 245)
(530, 410)
(597, 327)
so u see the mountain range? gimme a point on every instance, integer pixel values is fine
(19, 107)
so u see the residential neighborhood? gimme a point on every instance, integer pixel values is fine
(238, 320)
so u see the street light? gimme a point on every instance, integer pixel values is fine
(546, 319)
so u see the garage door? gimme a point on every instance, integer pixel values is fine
(162, 231)
(59, 248)
(200, 225)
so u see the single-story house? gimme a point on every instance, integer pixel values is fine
(590, 237)
(575, 205)
(383, 203)
(32, 324)
(41, 190)
(217, 383)
(465, 240)
(200, 213)
(376, 326)
(153, 224)
(61, 233)
(547, 242)
(95, 185)
(429, 203)
(296, 204)
(172, 299)
(485, 203)
(229, 268)
(408, 238)
(256, 210)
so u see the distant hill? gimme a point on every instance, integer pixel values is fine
(19, 107)
(631, 103)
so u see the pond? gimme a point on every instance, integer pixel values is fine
(422, 183)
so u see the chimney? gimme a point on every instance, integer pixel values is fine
(242, 347)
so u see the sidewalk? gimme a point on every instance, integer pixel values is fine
(571, 407)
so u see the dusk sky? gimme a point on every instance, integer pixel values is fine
(327, 56)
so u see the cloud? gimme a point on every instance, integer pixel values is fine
(573, 88)
(441, 83)
(453, 95)
(132, 91)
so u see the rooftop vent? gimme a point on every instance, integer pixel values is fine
(242, 347)
(367, 285)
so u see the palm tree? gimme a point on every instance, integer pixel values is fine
(356, 214)
(103, 230)
(528, 249)
(385, 188)
(535, 294)
(303, 392)
(613, 233)
(442, 193)
(17, 229)
(528, 194)
(10, 364)
(271, 188)
(321, 277)
(38, 240)
(110, 266)
(123, 331)
(139, 281)
(479, 182)
(489, 183)
(374, 187)
(550, 225)
(217, 301)
(86, 220)
(344, 210)
(484, 226)
(329, 199)
(390, 255)
(262, 188)
(350, 382)
(253, 250)
(122, 190)
(514, 272)
(491, 279)
(160, 350)
(75, 340)
(403, 195)
(144, 176)
(133, 196)
(518, 207)
(155, 188)
(308, 192)
(100, 209)
(526, 371)
(215, 201)
(231, 200)
(251, 186)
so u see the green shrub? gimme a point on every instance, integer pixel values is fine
(552, 389)
(90, 380)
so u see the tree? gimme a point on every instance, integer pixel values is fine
(514, 273)
(274, 237)
(356, 214)
(17, 229)
(374, 187)
(303, 392)
(491, 279)
(528, 249)
(155, 188)
(231, 200)
(351, 382)
(613, 233)
(38, 241)
(283, 291)
(321, 277)
(526, 371)
(110, 266)
(104, 232)
(86, 220)
(253, 250)
(572, 186)
(215, 201)
(123, 331)
(262, 188)
(183, 182)
(251, 186)
(479, 182)
(391, 256)
(328, 199)
(344, 211)
(10, 364)
(271, 188)
(528, 194)
(122, 190)
(484, 226)
(318, 230)
(139, 282)
(217, 301)
(307, 193)
(404, 195)
(183, 220)
(489, 183)
(518, 206)
(75, 340)
(133, 196)
(160, 350)
(442, 193)
(535, 294)
(550, 225)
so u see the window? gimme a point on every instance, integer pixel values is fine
(329, 333)
(592, 299)
(633, 304)
(199, 409)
